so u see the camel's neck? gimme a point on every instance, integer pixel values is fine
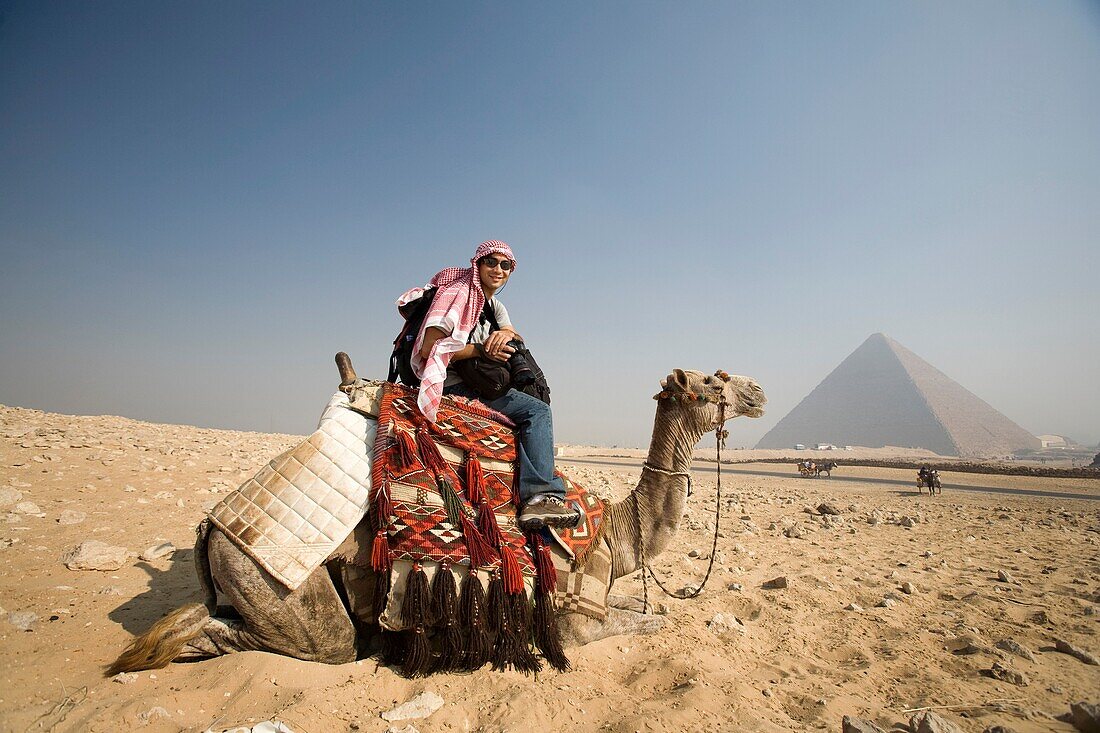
(645, 522)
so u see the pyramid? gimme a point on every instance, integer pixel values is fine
(884, 394)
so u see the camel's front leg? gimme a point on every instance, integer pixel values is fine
(577, 630)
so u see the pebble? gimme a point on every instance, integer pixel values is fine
(1039, 617)
(29, 508)
(858, 725)
(927, 721)
(125, 678)
(725, 625)
(907, 521)
(1066, 648)
(827, 508)
(734, 586)
(1085, 716)
(1007, 674)
(776, 583)
(23, 620)
(157, 551)
(908, 588)
(420, 706)
(153, 714)
(886, 603)
(795, 531)
(71, 516)
(95, 555)
(1014, 647)
(1003, 576)
(853, 607)
(10, 496)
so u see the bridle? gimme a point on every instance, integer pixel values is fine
(720, 435)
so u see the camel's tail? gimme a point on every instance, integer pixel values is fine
(162, 643)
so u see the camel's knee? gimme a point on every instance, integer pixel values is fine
(333, 642)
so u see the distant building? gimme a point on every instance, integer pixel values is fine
(1054, 441)
(884, 394)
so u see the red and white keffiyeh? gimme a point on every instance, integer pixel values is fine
(455, 310)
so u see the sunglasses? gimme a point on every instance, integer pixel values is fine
(492, 262)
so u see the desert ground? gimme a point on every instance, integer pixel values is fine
(896, 601)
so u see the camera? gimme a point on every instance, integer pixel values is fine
(518, 366)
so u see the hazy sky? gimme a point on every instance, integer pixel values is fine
(200, 203)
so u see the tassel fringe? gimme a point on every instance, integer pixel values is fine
(452, 502)
(416, 616)
(481, 554)
(487, 523)
(429, 452)
(547, 634)
(406, 448)
(475, 480)
(392, 648)
(513, 577)
(445, 617)
(545, 623)
(545, 571)
(381, 559)
(473, 619)
(496, 610)
(383, 505)
(519, 611)
(381, 593)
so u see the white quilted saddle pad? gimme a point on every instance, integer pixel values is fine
(298, 508)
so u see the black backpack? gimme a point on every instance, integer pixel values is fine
(476, 372)
(414, 313)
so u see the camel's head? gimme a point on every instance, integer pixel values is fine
(696, 390)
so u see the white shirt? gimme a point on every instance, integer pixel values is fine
(480, 333)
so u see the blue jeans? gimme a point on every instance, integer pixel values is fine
(535, 447)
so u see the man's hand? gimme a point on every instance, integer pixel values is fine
(496, 346)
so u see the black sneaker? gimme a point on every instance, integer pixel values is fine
(547, 510)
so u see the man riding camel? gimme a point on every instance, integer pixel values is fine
(454, 330)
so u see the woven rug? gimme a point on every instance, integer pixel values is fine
(422, 474)
(443, 516)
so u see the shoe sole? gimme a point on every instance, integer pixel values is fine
(536, 523)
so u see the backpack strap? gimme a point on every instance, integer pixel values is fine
(489, 314)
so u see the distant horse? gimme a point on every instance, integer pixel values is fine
(930, 479)
(825, 468)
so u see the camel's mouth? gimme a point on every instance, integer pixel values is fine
(750, 400)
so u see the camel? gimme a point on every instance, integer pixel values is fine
(312, 622)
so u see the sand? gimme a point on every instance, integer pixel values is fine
(801, 662)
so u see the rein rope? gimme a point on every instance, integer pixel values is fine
(720, 435)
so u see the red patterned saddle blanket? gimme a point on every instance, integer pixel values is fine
(443, 504)
(446, 491)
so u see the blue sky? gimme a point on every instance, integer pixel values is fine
(200, 203)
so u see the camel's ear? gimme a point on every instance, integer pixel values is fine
(680, 377)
